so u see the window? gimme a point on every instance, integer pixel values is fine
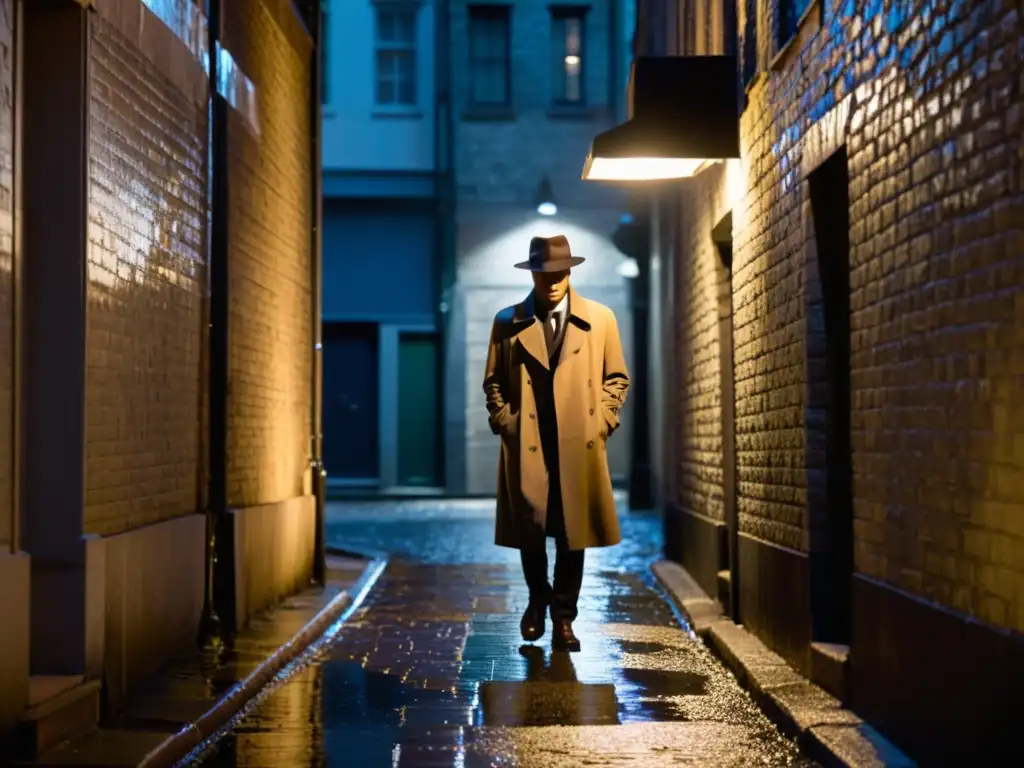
(490, 84)
(568, 26)
(790, 12)
(396, 55)
(749, 54)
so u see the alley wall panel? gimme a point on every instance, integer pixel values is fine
(269, 231)
(7, 205)
(146, 278)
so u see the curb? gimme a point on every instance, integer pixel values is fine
(179, 745)
(823, 729)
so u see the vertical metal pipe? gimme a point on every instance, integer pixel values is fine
(444, 190)
(219, 608)
(316, 304)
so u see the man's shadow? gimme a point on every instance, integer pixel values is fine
(551, 694)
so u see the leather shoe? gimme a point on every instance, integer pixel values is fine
(532, 625)
(562, 636)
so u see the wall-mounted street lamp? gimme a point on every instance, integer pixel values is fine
(683, 117)
(545, 199)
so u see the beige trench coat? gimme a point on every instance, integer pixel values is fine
(589, 389)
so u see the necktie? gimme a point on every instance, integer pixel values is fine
(553, 329)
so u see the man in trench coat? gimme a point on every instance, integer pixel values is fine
(555, 382)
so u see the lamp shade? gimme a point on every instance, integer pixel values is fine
(683, 116)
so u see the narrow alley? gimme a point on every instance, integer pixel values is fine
(431, 670)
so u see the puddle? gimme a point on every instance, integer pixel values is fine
(641, 646)
(657, 682)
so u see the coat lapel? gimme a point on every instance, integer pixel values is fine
(576, 328)
(529, 332)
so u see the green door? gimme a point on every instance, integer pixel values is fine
(419, 410)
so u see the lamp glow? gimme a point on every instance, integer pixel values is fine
(642, 168)
(629, 268)
(547, 209)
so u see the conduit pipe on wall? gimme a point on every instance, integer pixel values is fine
(318, 471)
(219, 603)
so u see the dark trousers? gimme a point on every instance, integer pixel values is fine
(564, 596)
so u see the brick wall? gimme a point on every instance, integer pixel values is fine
(269, 232)
(936, 215)
(146, 281)
(934, 98)
(698, 433)
(6, 270)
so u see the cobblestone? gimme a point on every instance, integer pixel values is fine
(431, 670)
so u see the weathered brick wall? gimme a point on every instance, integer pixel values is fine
(146, 280)
(935, 161)
(269, 232)
(697, 381)
(6, 270)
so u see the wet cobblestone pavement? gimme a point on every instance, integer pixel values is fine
(431, 671)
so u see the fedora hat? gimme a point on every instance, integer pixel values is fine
(550, 254)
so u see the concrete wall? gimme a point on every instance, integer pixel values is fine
(14, 640)
(926, 100)
(358, 134)
(273, 553)
(501, 157)
(153, 599)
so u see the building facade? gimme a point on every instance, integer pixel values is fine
(843, 336)
(108, 417)
(532, 82)
(382, 187)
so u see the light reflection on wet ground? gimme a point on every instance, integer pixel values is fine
(432, 672)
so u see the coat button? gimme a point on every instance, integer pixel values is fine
(591, 411)
(590, 444)
(529, 382)
(534, 415)
(533, 448)
(590, 383)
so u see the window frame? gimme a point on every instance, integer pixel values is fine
(788, 17)
(560, 15)
(410, 47)
(488, 12)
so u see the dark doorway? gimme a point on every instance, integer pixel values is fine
(831, 553)
(730, 578)
(351, 422)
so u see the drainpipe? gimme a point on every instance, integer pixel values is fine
(219, 608)
(444, 191)
(319, 472)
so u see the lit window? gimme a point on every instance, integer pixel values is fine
(396, 55)
(568, 28)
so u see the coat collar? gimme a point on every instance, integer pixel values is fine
(531, 335)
